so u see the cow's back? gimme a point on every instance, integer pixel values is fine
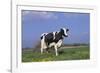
(49, 38)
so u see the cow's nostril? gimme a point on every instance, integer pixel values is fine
(66, 36)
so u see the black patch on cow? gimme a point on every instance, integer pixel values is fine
(58, 36)
(49, 37)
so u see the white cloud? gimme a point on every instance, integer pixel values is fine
(40, 14)
(70, 15)
(74, 14)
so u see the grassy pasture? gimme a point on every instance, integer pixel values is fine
(65, 53)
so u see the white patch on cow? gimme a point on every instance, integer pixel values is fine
(44, 34)
(59, 43)
(52, 44)
(65, 31)
(54, 35)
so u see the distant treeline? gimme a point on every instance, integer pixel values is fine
(76, 44)
(63, 45)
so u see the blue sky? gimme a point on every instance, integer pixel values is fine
(34, 23)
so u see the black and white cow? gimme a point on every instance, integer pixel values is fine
(53, 39)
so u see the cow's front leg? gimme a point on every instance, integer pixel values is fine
(56, 50)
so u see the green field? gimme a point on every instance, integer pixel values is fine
(74, 53)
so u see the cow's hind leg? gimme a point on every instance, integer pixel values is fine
(41, 50)
(43, 46)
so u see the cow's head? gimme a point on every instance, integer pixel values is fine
(64, 31)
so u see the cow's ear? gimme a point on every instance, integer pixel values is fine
(61, 30)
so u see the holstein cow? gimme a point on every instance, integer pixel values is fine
(53, 39)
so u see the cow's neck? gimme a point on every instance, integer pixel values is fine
(58, 36)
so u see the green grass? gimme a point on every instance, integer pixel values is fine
(79, 53)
